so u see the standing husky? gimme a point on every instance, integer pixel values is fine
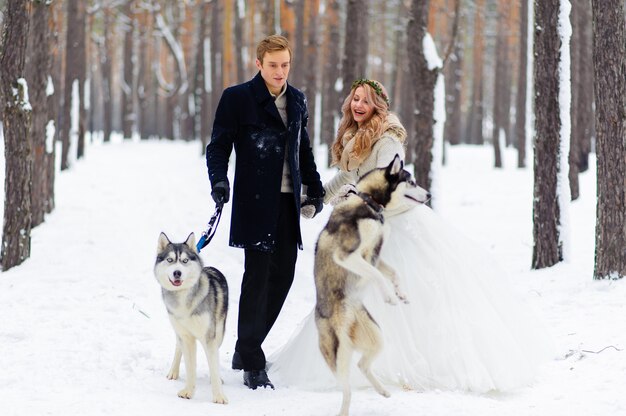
(196, 299)
(346, 260)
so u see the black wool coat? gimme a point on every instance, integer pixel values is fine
(247, 119)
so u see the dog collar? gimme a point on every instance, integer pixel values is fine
(370, 202)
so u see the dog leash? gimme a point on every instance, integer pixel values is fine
(207, 235)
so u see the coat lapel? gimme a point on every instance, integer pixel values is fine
(264, 98)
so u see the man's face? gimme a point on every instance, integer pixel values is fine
(274, 69)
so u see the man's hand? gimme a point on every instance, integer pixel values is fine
(311, 207)
(220, 193)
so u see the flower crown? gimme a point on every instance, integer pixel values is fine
(375, 86)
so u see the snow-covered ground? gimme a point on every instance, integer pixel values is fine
(83, 330)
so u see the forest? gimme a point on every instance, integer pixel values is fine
(547, 78)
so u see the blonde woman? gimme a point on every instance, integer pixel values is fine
(463, 329)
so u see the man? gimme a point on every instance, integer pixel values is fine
(265, 120)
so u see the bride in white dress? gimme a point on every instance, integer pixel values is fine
(463, 329)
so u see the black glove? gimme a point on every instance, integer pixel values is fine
(311, 207)
(220, 193)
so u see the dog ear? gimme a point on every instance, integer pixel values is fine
(191, 242)
(395, 166)
(163, 242)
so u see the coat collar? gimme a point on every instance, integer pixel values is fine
(264, 98)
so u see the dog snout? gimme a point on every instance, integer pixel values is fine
(177, 274)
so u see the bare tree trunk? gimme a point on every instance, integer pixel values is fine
(454, 71)
(128, 90)
(144, 78)
(330, 98)
(202, 99)
(574, 149)
(106, 56)
(75, 70)
(356, 44)
(547, 249)
(38, 71)
(296, 77)
(311, 60)
(522, 85)
(475, 124)
(499, 96)
(609, 59)
(585, 117)
(423, 79)
(17, 142)
(239, 50)
(54, 19)
(217, 76)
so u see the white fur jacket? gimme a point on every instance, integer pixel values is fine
(383, 152)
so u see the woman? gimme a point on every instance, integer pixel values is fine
(463, 329)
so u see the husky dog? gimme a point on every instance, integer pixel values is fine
(346, 260)
(196, 299)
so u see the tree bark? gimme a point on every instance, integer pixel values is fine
(454, 72)
(106, 57)
(547, 249)
(239, 50)
(17, 141)
(522, 85)
(217, 79)
(311, 59)
(423, 79)
(585, 117)
(475, 124)
(128, 86)
(296, 76)
(356, 44)
(37, 72)
(331, 102)
(201, 96)
(75, 70)
(609, 59)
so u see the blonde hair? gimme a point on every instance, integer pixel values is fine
(272, 43)
(371, 131)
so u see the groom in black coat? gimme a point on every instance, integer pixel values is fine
(265, 121)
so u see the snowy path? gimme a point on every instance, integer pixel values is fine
(83, 330)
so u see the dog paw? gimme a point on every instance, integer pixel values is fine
(220, 399)
(186, 393)
(384, 393)
(172, 375)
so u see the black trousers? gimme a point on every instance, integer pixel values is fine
(267, 279)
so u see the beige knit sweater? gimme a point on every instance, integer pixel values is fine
(383, 152)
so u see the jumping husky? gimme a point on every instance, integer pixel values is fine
(196, 299)
(346, 260)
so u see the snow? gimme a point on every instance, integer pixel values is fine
(565, 100)
(83, 330)
(21, 95)
(430, 52)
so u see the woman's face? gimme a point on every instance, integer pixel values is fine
(362, 109)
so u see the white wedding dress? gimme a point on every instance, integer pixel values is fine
(464, 328)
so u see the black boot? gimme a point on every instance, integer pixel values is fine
(256, 378)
